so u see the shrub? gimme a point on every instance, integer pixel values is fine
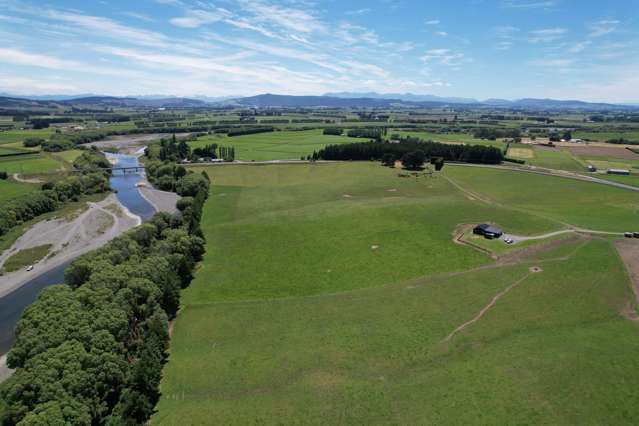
(32, 142)
(334, 131)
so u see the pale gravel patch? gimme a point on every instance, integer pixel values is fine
(69, 239)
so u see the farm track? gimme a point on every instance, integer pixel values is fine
(486, 308)
(628, 251)
(570, 228)
(514, 259)
(17, 178)
(552, 172)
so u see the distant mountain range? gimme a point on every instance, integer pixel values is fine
(334, 100)
(373, 100)
(409, 97)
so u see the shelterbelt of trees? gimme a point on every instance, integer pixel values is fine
(91, 351)
(54, 195)
(377, 150)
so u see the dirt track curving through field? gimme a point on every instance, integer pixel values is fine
(472, 195)
(628, 250)
(18, 178)
(486, 308)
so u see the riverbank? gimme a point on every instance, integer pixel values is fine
(69, 238)
(162, 201)
(5, 372)
(131, 144)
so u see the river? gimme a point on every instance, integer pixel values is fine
(13, 304)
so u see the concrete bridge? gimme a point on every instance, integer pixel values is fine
(127, 170)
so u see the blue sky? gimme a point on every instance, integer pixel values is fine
(565, 49)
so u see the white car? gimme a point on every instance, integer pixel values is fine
(509, 240)
(29, 268)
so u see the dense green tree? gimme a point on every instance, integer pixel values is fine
(438, 162)
(388, 160)
(413, 160)
(190, 184)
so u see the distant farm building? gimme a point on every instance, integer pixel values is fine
(489, 231)
(623, 172)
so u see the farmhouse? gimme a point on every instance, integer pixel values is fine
(487, 230)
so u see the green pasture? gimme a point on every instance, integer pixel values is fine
(12, 136)
(275, 145)
(7, 150)
(628, 180)
(570, 201)
(606, 136)
(464, 138)
(10, 189)
(327, 293)
(30, 164)
(556, 159)
(68, 156)
(326, 221)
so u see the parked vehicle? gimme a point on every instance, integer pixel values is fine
(628, 234)
(29, 268)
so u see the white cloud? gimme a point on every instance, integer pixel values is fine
(504, 45)
(546, 35)
(562, 63)
(31, 86)
(525, 4)
(579, 47)
(603, 27)
(106, 27)
(352, 34)
(140, 16)
(362, 11)
(444, 57)
(287, 18)
(432, 22)
(19, 57)
(197, 18)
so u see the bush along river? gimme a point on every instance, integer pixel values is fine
(13, 304)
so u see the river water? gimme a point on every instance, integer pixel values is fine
(13, 304)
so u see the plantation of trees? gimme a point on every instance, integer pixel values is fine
(250, 131)
(377, 150)
(492, 133)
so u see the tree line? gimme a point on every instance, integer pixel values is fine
(91, 351)
(376, 150)
(491, 133)
(249, 131)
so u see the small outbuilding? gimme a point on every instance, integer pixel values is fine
(623, 172)
(488, 231)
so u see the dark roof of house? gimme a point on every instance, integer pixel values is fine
(489, 228)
